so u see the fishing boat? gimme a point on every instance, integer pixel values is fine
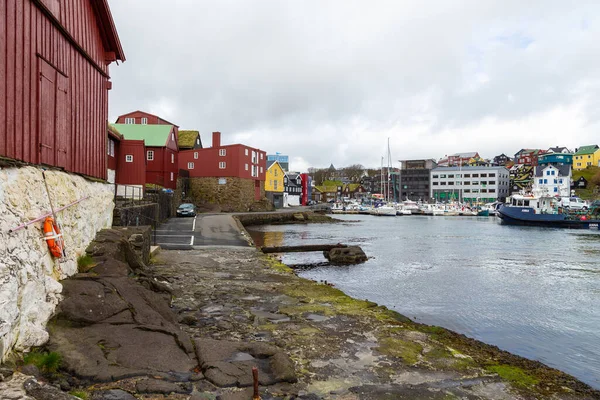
(542, 210)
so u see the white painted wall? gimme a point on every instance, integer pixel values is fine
(29, 287)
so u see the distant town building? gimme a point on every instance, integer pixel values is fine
(415, 179)
(126, 161)
(528, 156)
(469, 184)
(521, 177)
(292, 189)
(283, 161)
(559, 149)
(500, 160)
(580, 183)
(553, 180)
(586, 156)
(274, 184)
(458, 159)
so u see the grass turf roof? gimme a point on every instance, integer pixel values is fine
(153, 135)
(187, 138)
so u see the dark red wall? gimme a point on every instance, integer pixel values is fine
(131, 173)
(159, 170)
(207, 163)
(53, 87)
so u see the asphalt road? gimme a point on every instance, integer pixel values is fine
(202, 230)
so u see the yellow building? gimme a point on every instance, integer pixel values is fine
(274, 178)
(586, 156)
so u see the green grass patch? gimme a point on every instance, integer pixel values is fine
(85, 263)
(82, 394)
(46, 362)
(515, 375)
(407, 351)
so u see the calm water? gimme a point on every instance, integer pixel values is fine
(532, 291)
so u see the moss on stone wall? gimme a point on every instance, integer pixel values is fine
(236, 194)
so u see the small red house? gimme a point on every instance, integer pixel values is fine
(161, 153)
(234, 160)
(54, 82)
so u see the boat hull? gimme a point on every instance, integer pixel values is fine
(527, 217)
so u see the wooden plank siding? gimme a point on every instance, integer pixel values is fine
(53, 84)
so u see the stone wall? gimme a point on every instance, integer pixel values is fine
(236, 194)
(29, 276)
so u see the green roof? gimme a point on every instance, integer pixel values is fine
(326, 189)
(590, 149)
(153, 135)
(187, 138)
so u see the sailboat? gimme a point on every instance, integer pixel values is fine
(386, 209)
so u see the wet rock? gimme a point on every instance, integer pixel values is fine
(162, 387)
(88, 301)
(31, 370)
(229, 364)
(45, 392)
(104, 352)
(113, 394)
(346, 255)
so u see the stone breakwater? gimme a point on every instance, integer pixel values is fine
(192, 324)
(29, 276)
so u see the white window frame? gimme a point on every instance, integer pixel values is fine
(130, 120)
(144, 121)
(246, 167)
(261, 170)
(111, 147)
(222, 152)
(129, 158)
(195, 155)
(222, 165)
(190, 165)
(172, 136)
(150, 155)
(246, 151)
(172, 158)
(261, 156)
(171, 177)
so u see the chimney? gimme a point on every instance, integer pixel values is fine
(216, 140)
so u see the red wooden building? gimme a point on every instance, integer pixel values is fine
(161, 153)
(143, 118)
(54, 82)
(126, 164)
(234, 160)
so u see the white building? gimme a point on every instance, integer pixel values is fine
(469, 184)
(553, 180)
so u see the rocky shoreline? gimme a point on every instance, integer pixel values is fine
(192, 324)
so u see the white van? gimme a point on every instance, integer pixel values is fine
(573, 203)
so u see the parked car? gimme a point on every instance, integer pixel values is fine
(574, 203)
(186, 210)
(312, 203)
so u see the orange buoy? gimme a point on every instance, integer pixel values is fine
(53, 237)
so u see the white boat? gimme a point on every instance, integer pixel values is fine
(400, 210)
(410, 205)
(384, 210)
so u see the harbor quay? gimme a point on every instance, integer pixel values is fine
(192, 324)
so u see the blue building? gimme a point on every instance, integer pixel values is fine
(283, 161)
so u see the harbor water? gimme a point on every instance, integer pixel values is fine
(532, 291)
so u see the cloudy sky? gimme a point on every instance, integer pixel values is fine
(329, 81)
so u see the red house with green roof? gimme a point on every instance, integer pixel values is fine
(161, 152)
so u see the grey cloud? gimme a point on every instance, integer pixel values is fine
(306, 77)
